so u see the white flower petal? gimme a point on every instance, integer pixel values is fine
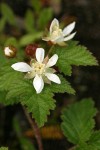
(52, 61)
(22, 67)
(53, 77)
(69, 37)
(60, 39)
(67, 30)
(40, 54)
(54, 23)
(38, 83)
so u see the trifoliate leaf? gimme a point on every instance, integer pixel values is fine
(73, 54)
(78, 121)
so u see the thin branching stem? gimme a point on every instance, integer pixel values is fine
(35, 129)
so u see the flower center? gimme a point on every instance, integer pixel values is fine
(38, 68)
(56, 33)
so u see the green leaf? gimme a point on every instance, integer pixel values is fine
(66, 69)
(29, 38)
(85, 147)
(92, 144)
(8, 14)
(3, 59)
(3, 148)
(36, 4)
(2, 24)
(94, 140)
(73, 54)
(29, 21)
(40, 106)
(44, 17)
(61, 88)
(7, 77)
(78, 121)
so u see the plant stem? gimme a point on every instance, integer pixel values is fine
(50, 50)
(35, 128)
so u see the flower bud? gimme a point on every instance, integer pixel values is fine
(10, 51)
(31, 49)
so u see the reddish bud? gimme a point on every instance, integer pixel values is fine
(31, 49)
(10, 51)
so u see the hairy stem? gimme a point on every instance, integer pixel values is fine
(35, 129)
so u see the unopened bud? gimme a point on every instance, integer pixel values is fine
(31, 49)
(10, 51)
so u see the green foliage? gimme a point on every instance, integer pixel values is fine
(3, 148)
(15, 87)
(27, 39)
(2, 24)
(44, 17)
(36, 4)
(8, 14)
(40, 106)
(61, 88)
(73, 54)
(3, 59)
(78, 124)
(94, 140)
(78, 121)
(29, 21)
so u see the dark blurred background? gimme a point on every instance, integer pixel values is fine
(85, 80)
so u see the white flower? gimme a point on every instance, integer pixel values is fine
(59, 36)
(39, 69)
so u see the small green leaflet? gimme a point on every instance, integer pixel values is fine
(73, 54)
(78, 121)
